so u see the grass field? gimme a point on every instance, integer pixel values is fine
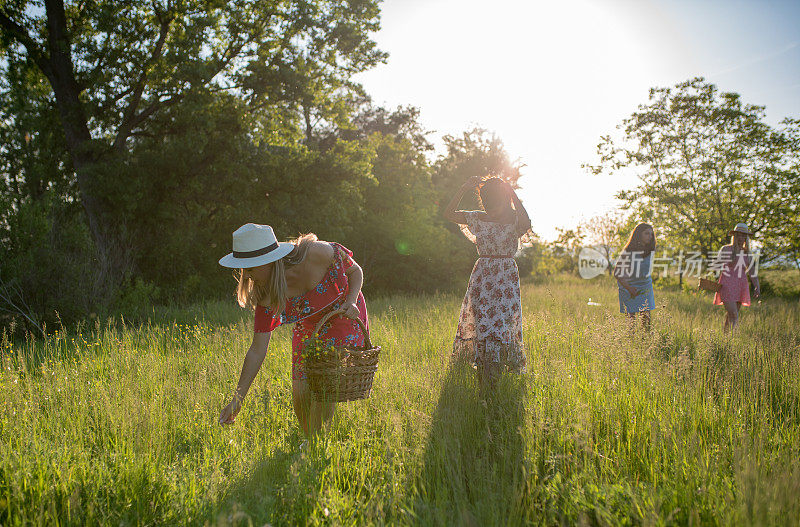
(117, 423)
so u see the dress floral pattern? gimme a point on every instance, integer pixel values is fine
(490, 324)
(306, 310)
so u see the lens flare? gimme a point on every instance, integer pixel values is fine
(403, 247)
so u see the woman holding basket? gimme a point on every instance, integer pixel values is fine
(297, 282)
(489, 333)
(735, 266)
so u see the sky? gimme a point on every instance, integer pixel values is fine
(550, 78)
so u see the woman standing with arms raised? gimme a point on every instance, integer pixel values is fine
(294, 282)
(489, 333)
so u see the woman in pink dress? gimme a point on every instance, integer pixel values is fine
(489, 333)
(294, 282)
(735, 266)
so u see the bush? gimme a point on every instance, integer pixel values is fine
(784, 283)
(47, 259)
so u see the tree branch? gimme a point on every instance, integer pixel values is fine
(145, 114)
(34, 51)
(130, 120)
(83, 84)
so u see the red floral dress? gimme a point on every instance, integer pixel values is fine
(490, 324)
(306, 310)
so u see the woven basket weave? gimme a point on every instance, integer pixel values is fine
(343, 374)
(708, 285)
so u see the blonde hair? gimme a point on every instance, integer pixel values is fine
(736, 247)
(249, 294)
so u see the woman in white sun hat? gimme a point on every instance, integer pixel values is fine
(294, 282)
(735, 265)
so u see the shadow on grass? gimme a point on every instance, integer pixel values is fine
(248, 498)
(279, 489)
(472, 471)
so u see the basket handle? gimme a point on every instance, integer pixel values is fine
(323, 320)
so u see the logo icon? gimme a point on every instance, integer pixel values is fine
(591, 263)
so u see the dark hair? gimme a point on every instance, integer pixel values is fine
(635, 243)
(493, 190)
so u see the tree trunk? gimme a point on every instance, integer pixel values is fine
(83, 152)
(309, 127)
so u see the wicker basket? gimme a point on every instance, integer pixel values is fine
(343, 374)
(708, 285)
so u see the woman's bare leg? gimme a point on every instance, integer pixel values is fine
(301, 401)
(488, 374)
(731, 316)
(631, 324)
(321, 414)
(312, 415)
(646, 321)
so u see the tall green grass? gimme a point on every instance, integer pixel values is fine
(116, 423)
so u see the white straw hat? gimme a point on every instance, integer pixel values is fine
(255, 245)
(740, 228)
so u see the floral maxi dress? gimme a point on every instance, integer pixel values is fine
(490, 324)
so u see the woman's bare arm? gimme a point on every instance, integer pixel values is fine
(457, 216)
(621, 279)
(355, 279)
(252, 363)
(523, 221)
(753, 278)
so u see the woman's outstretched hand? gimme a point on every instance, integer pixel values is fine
(229, 413)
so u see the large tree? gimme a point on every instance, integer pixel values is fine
(706, 161)
(113, 66)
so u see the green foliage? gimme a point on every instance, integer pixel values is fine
(47, 258)
(193, 118)
(402, 242)
(606, 233)
(133, 60)
(137, 297)
(201, 199)
(784, 283)
(543, 259)
(113, 87)
(707, 161)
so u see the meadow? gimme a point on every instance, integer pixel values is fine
(116, 422)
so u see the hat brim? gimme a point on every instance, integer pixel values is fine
(229, 260)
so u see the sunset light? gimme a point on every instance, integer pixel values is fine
(493, 263)
(550, 78)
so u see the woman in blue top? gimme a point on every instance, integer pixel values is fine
(632, 272)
